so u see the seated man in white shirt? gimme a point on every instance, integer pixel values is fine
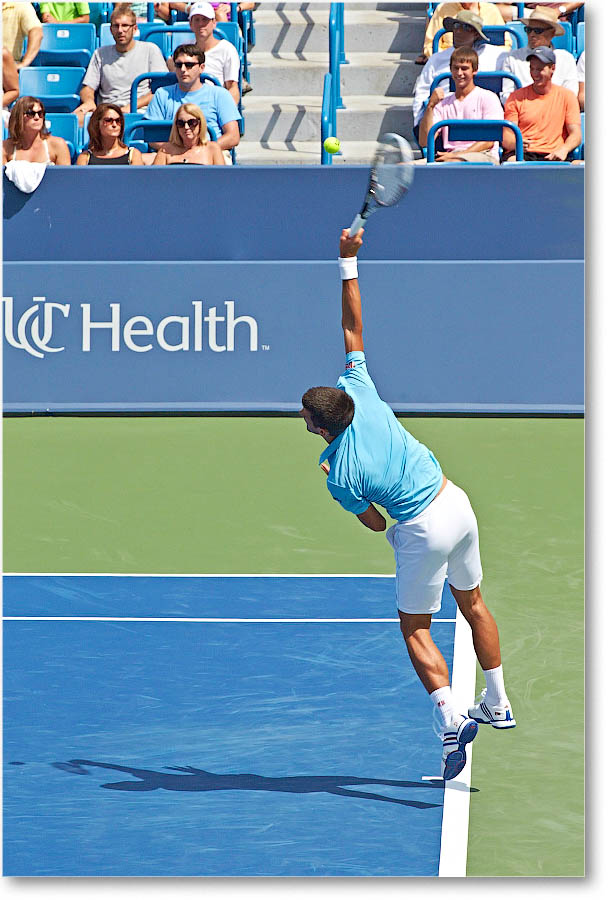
(542, 25)
(467, 28)
(221, 58)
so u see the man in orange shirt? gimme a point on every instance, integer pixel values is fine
(547, 114)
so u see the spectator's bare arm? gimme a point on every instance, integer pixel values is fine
(34, 40)
(10, 78)
(230, 136)
(426, 121)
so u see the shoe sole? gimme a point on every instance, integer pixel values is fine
(457, 759)
(501, 725)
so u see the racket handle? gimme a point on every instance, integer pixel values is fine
(358, 223)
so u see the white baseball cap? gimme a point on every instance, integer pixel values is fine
(201, 9)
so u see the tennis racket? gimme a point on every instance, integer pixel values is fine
(390, 177)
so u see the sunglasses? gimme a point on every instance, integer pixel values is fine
(530, 30)
(34, 114)
(191, 123)
(108, 120)
(188, 65)
(464, 26)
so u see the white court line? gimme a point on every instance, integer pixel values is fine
(456, 799)
(175, 575)
(178, 619)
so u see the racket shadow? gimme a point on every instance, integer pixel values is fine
(196, 780)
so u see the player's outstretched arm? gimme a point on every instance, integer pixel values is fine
(352, 323)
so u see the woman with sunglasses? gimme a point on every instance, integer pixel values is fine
(29, 138)
(106, 146)
(188, 141)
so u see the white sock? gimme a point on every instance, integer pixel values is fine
(496, 694)
(443, 701)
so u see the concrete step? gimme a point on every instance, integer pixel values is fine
(307, 29)
(304, 153)
(293, 74)
(291, 120)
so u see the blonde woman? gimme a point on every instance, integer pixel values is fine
(188, 141)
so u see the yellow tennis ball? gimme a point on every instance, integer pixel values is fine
(331, 144)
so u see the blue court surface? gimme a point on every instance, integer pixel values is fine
(183, 726)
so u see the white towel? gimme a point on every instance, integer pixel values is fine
(26, 176)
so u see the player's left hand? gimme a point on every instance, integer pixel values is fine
(349, 246)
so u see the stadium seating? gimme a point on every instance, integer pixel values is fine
(58, 87)
(474, 130)
(580, 38)
(564, 41)
(579, 153)
(65, 44)
(496, 34)
(491, 81)
(65, 125)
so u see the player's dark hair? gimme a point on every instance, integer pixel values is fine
(329, 408)
(189, 50)
(465, 54)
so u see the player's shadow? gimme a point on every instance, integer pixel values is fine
(198, 780)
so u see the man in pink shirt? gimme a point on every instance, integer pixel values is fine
(467, 102)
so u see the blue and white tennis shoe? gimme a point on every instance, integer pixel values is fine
(455, 739)
(496, 716)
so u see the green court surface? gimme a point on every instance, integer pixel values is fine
(245, 495)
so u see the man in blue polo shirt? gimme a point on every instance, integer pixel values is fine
(217, 105)
(371, 459)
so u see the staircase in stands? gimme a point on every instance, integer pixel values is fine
(290, 60)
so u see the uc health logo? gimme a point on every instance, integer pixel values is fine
(32, 330)
(27, 333)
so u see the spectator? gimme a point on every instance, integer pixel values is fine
(188, 141)
(467, 102)
(580, 73)
(547, 114)
(487, 12)
(29, 139)
(222, 10)
(221, 58)
(217, 105)
(10, 81)
(541, 27)
(113, 69)
(64, 12)
(20, 21)
(466, 27)
(509, 10)
(106, 146)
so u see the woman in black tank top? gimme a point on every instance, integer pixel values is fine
(106, 146)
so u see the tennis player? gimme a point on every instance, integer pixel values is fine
(371, 459)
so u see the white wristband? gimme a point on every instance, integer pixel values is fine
(348, 267)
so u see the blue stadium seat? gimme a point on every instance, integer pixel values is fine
(140, 132)
(474, 130)
(58, 87)
(159, 79)
(491, 81)
(158, 36)
(564, 41)
(64, 44)
(579, 153)
(580, 38)
(496, 33)
(65, 125)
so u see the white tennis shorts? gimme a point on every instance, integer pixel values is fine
(442, 541)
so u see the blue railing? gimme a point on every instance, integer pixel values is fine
(332, 98)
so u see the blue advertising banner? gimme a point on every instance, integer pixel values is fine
(204, 336)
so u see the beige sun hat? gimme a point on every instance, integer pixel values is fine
(544, 15)
(469, 18)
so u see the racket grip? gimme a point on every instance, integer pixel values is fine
(358, 223)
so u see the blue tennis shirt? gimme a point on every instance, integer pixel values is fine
(375, 460)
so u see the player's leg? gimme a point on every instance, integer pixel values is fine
(430, 666)
(464, 576)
